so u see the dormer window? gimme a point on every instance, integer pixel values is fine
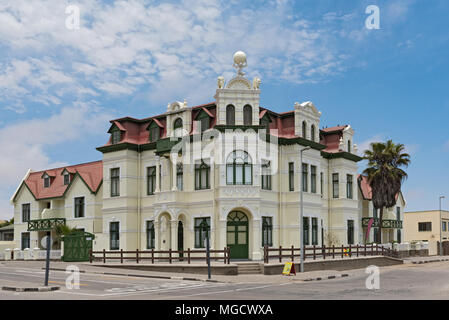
(115, 136)
(204, 120)
(46, 182)
(66, 179)
(155, 131)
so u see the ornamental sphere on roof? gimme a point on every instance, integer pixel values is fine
(240, 62)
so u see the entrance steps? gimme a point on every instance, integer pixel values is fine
(248, 268)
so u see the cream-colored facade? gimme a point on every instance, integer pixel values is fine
(424, 226)
(333, 204)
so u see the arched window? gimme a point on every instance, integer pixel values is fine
(230, 115)
(239, 169)
(349, 145)
(304, 130)
(177, 127)
(312, 133)
(247, 115)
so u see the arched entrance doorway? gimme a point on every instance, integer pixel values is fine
(180, 238)
(237, 234)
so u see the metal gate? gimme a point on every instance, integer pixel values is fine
(77, 246)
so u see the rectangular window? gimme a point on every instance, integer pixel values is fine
(291, 176)
(25, 240)
(116, 136)
(202, 176)
(79, 207)
(398, 213)
(305, 177)
(66, 179)
(150, 234)
(305, 223)
(335, 192)
(202, 229)
(321, 183)
(313, 179)
(114, 235)
(314, 231)
(151, 180)
(350, 231)
(349, 188)
(154, 132)
(115, 182)
(444, 225)
(424, 226)
(399, 236)
(267, 231)
(26, 212)
(46, 182)
(266, 176)
(179, 176)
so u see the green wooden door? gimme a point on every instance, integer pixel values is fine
(77, 246)
(237, 235)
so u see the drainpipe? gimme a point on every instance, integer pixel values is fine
(139, 158)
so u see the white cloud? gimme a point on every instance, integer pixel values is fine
(24, 145)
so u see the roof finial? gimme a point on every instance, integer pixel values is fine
(240, 62)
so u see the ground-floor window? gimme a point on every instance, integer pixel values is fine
(202, 229)
(305, 223)
(25, 240)
(376, 235)
(399, 236)
(314, 231)
(350, 231)
(267, 231)
(150, 234)
(114, 235)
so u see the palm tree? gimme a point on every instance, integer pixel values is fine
(385, 175)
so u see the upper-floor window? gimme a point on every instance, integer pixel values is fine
(179, 176)
(46, 182)
(230, 115)
(349, 187)
(202, 229)
(335, 185)
(116, 136)
(26, 212)
(313, 179)
(66, 179)
(266, 176)
(305, 176)
(239, 169)
(312, 132)
(177, 127)
(151, 180)
(155, 131)
(374, 212)
(291, 176)
(424, 226)
(202, 171)
(79, 207)
(115, 182)
(204, 120)
(247, 115)
(304, 130)
(321, 183)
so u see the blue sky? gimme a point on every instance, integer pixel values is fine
(60, 87)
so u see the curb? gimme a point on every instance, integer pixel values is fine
(39, 289)
(139, 275)
(328, 277)
(429, 261)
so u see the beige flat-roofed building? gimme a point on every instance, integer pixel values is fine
(423, 225)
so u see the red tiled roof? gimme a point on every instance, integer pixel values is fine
(330, 137)
(91, 173)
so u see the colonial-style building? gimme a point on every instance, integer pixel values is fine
(231, 169)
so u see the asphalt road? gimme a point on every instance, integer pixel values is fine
(424, 281)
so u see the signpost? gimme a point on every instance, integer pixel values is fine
(289, 268)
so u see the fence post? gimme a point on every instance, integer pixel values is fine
(225, 257)
(121, 256)
(188, 255)
(293, 253)
(229, 255)
(152, 255)
(314, 256)
(342, 251)
(90, 256)
(137, 255)
(333, 251)
(323, 250)
(169, 255)
(372, 249)
(350, 251)
(357, 250)
(280, 253)
(104, 256)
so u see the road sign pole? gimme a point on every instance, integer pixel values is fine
(47, 264)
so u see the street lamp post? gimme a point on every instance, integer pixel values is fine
(441, 227)
(301, 236)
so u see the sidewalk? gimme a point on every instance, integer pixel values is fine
(428, 259)
(242, 278)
